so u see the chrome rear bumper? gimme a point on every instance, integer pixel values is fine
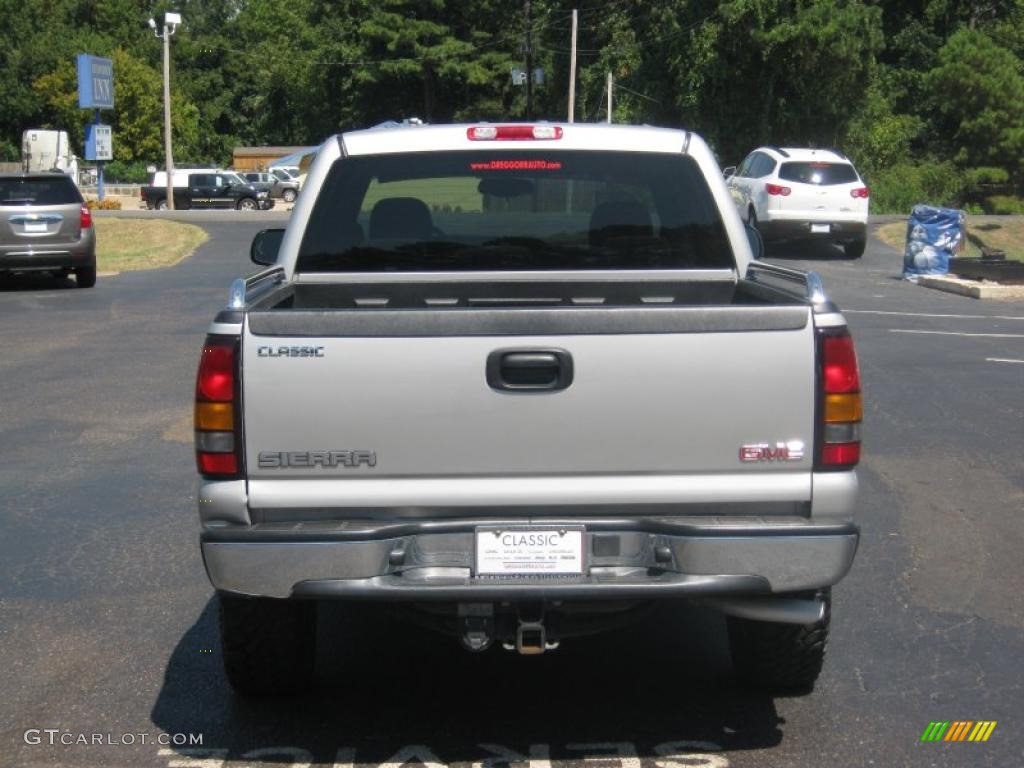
(433, 560)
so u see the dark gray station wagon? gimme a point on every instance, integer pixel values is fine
(46, 226)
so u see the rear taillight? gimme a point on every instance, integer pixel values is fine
(514, 132)
(775, 189)
(860, 192)
(217, 420)
(840, 408)
(85, 217)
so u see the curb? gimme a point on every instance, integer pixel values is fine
(974, 289)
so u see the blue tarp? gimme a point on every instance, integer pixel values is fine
(933, 236)
(294, 159)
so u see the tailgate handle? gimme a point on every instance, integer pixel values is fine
(529, 370)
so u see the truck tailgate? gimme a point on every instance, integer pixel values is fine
(386, 409)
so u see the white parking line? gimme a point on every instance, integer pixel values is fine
(923, 314)
(956, 333)
(1002, 360)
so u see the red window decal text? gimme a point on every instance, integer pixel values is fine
(517, 165)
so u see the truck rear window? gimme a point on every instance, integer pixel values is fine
(49, 191)
(514, 210)
(818, 173)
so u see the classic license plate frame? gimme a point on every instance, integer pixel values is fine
(496, 557)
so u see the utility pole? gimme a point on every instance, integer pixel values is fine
(572, 69)
(171, 21)
(609, 97)
(167, 119)
(529, 62)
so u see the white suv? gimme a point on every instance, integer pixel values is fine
(802, 194)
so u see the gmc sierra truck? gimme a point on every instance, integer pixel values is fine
(522, 382)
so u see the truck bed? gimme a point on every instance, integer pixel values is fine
(535, 292)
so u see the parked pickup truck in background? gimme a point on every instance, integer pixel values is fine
(207, 189)
(521, 381)
(277, 184)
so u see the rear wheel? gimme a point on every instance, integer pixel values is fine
(752, 218)
(247, 204)
(855, 249)
(85, 277)
(269, 645)
(780, 657)
(161, 204)
(288, 195)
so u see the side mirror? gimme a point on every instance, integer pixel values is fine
(265, 246)
(729, 171)
(753, 236)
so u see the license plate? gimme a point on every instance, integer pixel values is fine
(35, 226)
(820, 228)
(529, 551)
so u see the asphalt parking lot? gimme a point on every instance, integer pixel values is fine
(108, 626)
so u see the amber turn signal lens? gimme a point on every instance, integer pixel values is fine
(839, 408)
(215, 416)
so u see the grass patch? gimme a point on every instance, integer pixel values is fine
(894, 233)
(454, 194)
(127, 244)
(982, 232)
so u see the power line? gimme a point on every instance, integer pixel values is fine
(510, 37)
(635, 93)
(612, 49)
(603, 7)
(496, 40)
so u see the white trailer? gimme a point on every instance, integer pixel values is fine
(48, 150)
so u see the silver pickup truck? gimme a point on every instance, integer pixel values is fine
(523, 381)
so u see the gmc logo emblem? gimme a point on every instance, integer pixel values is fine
(791, 451)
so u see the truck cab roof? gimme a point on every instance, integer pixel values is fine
(469, 136)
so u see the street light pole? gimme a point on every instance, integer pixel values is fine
(610, 86)
(572, 69)
(529, 62)
(167, 119)
(170, 25)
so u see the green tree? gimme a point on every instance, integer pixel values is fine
(137, 118)
(772, 71)
(877, 137)
(977, 96)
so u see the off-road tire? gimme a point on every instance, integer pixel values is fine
(85, 277)
(248, 204)
(855, 248)
(783, 658)
(268, 645)
(289, 195)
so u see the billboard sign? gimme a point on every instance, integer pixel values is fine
(95, 82)
(99, 142)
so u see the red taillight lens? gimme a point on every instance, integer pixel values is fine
(217, 423)
(216, 379)
(514, 132)
(85, 219)
(840, 365)
(775, 189)
(840, 405)
(840, 454)
(860, 192)
(217, 463)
